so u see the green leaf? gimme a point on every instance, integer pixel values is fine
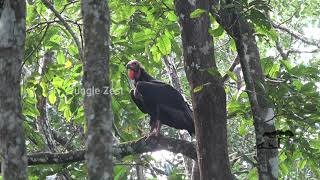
(213, 71)
(52, 97)
(302, 164)
(141, 36)
(253, 174)
(197, 13)
(62, 106)
(171, 16)
(284, 169)
(67, 114)
(233, 45)
(286, 64)
(270, 67)
(198, 89)
(164, 45)
(61, 58)
(217, 32)
(243, 130)
(73, 50)
(44, 88)
(155, 53)
(260, 19)
(232, 75)
(309, 87)
(120, 172)
(57, 82)
(282, 156)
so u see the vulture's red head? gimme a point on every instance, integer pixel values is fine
(134, 69)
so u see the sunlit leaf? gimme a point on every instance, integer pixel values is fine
(52, 97)
(68, 64)
(164, 45)
(198, 89)
(197, 13)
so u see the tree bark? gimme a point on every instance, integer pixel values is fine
(263, 115)
(97, 104)
(12, 139)
(140, 146)
(208, 95)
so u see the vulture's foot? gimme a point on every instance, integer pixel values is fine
(153, 133)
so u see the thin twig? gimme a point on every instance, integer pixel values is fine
(37, 47)
(233, 65)
(66, 25)
(51, 22)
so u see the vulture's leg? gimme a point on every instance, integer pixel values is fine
(158, 122)
(157, 128)
(155, 124)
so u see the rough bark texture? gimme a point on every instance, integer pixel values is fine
(42, 121)
(12, 140)
(140, 146)
(97, 105)
(195, 171)
(267, 154)
(208, 95)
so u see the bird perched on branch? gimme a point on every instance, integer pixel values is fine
(162, 102)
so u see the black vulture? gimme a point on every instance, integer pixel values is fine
(161, 101)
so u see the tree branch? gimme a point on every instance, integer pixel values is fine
(233, 65)
(66, 25)
(121, 150)
(51, 22)
(297, 35)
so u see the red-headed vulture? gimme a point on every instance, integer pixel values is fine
(162, 102)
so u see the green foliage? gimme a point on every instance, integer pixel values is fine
(197, 13)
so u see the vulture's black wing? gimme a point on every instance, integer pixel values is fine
(138, 102)
(174, 110)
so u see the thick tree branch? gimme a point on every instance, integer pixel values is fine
(121, 150)
(66, 25)
(297, 35)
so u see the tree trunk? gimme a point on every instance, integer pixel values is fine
(208, 95)
(263, 115)
(12, 139)
(97, 103)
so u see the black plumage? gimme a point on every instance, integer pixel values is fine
(161, 101)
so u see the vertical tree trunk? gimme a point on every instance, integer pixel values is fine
(263, 114)
(97, 104)
(208, 95)
(267, 154)
(12, 140)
